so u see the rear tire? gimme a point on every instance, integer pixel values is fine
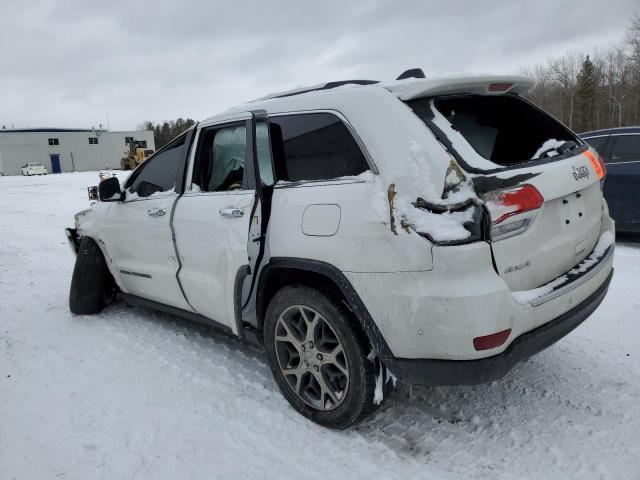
(92, 284)
(303, 330)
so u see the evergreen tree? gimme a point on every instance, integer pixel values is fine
(164, 132)
(586, 96)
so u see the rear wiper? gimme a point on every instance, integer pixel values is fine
(559, 149)
(566, 146)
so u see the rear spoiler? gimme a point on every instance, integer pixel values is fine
(410, 89)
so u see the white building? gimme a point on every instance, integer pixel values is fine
(65, 149)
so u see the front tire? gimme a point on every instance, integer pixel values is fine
(92, 284)
(318, 356)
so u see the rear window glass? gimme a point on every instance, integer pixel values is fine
(314, 146)
(504, 129)
(626, 149)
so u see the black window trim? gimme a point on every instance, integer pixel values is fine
(597, 136)
(136, 173)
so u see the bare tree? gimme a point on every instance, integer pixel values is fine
(614, 100)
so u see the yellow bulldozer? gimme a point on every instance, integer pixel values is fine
(135, 155)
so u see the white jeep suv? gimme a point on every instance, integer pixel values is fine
(436, 231)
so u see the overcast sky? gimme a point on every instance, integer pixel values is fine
(69, 64)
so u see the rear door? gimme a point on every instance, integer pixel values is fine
(622, 186)
(562, 232)
(139, 231)
(217, 222)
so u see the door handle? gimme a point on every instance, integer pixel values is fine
(156, 212)
(232, 212)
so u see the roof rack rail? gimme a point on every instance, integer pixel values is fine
(325, 86)
(411, 73)
(322, 86)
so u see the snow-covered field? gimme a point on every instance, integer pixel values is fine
(136, 394)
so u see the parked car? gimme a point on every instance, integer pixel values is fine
(620, 148)
(435, 231)
(34, 169)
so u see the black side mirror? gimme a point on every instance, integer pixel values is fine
(109, 190)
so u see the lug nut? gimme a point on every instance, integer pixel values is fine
(310, 344)
(319, 356)
(303, 348)
(316, 368)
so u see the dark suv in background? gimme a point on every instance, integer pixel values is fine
(620, 148)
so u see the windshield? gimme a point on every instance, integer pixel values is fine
(504, 129)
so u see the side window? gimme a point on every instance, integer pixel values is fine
(314, 146)
(221, 159)
(626, 148)
(599, 143)
(158, 174)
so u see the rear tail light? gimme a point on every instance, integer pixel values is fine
(491, 341)
(597, 163)
(512, 210)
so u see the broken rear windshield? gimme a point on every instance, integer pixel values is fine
(504, 129)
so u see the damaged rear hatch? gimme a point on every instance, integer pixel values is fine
(541, 184)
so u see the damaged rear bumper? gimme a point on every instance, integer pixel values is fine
(474, 372)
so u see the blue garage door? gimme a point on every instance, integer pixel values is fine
(55, 163)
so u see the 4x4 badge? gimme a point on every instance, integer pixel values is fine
(580, 172)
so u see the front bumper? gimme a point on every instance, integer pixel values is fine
(473, 372)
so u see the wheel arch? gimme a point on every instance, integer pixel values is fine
(75, 237)
(283, 271)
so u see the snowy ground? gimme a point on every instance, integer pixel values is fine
(136, 394)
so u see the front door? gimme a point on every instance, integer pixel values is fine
(213, 220)
(139, 230)
(55, 163)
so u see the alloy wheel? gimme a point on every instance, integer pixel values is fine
(311, 358)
